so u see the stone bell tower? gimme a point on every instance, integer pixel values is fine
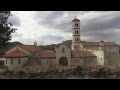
(76, 34)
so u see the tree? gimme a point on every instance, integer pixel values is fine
(6, 29)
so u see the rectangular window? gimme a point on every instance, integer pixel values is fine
(19, 61)
(6, 61)
(11, 61)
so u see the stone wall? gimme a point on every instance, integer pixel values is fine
(15, 63)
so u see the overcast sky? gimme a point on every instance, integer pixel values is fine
(52, 27)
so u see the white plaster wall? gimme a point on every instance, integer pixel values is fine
(100, 56)
(15, 62)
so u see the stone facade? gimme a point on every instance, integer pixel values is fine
(81, 53)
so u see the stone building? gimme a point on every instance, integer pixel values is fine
(81, 53)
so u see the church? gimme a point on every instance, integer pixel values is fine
(81, 53)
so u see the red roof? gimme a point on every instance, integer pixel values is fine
(16, 54)
(82, 54)
(30, 48)
(48, 54)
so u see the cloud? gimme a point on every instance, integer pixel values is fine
(15, 20)
(54, 26)
(16, 34)
(50, 39)
(102, 27)
(59, 20)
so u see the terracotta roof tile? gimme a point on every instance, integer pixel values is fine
(30, 48)
(48, 54)
(15, 54)
(110, 44)
(82, 54)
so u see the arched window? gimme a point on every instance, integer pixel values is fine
(76, 32)
(76, 24)
(76, 39)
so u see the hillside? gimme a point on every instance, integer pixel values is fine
(10, 45)
(52, 46)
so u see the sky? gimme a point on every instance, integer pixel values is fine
(53, 27)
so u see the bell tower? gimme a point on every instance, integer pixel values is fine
(76, 34)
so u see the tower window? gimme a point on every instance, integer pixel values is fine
(76, 32)
(76, 39)
(76, 24)
(63, 50)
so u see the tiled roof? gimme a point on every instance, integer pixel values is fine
(30, 48)
(82, 54)
(87, 44)
(48, 54)
(110, 44)
(97, 44)
(16, 54)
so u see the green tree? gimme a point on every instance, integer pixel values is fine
(6, 29)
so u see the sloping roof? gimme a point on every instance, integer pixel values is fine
(110, 44)
(87, 44)
(75, 19)
(48, 54)
(82, 54)
(16, 54)
(97, 44)
(30, 48)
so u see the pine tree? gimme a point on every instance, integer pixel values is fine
(6, 29)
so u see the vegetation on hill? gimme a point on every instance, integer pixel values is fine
(10, 45)
(52, 46)
(6, 29)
